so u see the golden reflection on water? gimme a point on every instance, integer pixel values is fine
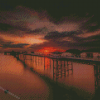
(82, 76)
(47, 63)
(19, 81)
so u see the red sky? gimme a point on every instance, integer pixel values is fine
(50, 49)
(60, 25)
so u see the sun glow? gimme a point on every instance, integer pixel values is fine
(46, 51)
(50, 49)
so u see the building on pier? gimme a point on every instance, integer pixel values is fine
(96, 55)
(66, 54)
(83, 55)
(56, 54)
(90, 55)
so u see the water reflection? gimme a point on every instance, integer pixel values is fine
(20, 82)
(78, 74)
(47, 63)
(97, 75)
(61, 68)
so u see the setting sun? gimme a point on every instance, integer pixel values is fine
(50, 49)
(46, 51)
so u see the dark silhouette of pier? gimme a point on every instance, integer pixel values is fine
(61, 65)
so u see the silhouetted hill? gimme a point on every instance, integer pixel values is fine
(74, 51)
(56, 52)
(92, 50)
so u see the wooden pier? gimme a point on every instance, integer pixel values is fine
(61, 65)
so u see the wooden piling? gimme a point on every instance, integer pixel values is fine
(50, 63)
(72, 66)
(57, 69)
(53, 69)
(61, 69)
(64, 69)
(44, 63)
(67, 67)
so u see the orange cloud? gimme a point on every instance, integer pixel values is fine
(25, 39)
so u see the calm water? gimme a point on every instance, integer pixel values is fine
(20, 82)
(27, 85)
(83, 76)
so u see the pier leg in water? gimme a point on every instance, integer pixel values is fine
(53, 69)
(61, 69)
(50, 63)
(72, 66)
(57, 72)
(44, 63)
(68, 67)
(64, 69)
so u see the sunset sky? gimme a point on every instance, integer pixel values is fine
(52, 24)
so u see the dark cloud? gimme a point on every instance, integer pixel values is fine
(15, 30)
(93, 41)
(38, 30)
(55, 8)
(13, 20)
(58, 35)
(93, 24)
(14, 45)
(59, 11)
(62, 10)
(91, 44)
(5, 27)
(81, 43)
(9, 27)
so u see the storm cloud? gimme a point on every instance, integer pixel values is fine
(64, 24)
(14, 45)
(57, 35)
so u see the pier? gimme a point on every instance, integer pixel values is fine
(61, 65)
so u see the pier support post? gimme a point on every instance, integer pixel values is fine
(24, 57)
(64, 69)
(50, 63)
(72, 66)
(44, 62)
(38, 60)
(61, 69)
(31, 61)
(67, 67)
(41, 60)
(53, 69)
(35, 61)
(57, 73)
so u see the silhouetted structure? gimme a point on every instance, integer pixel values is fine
(5, 53)
(13, 53)
(89, 54)
(75, 52)
(61, 67)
